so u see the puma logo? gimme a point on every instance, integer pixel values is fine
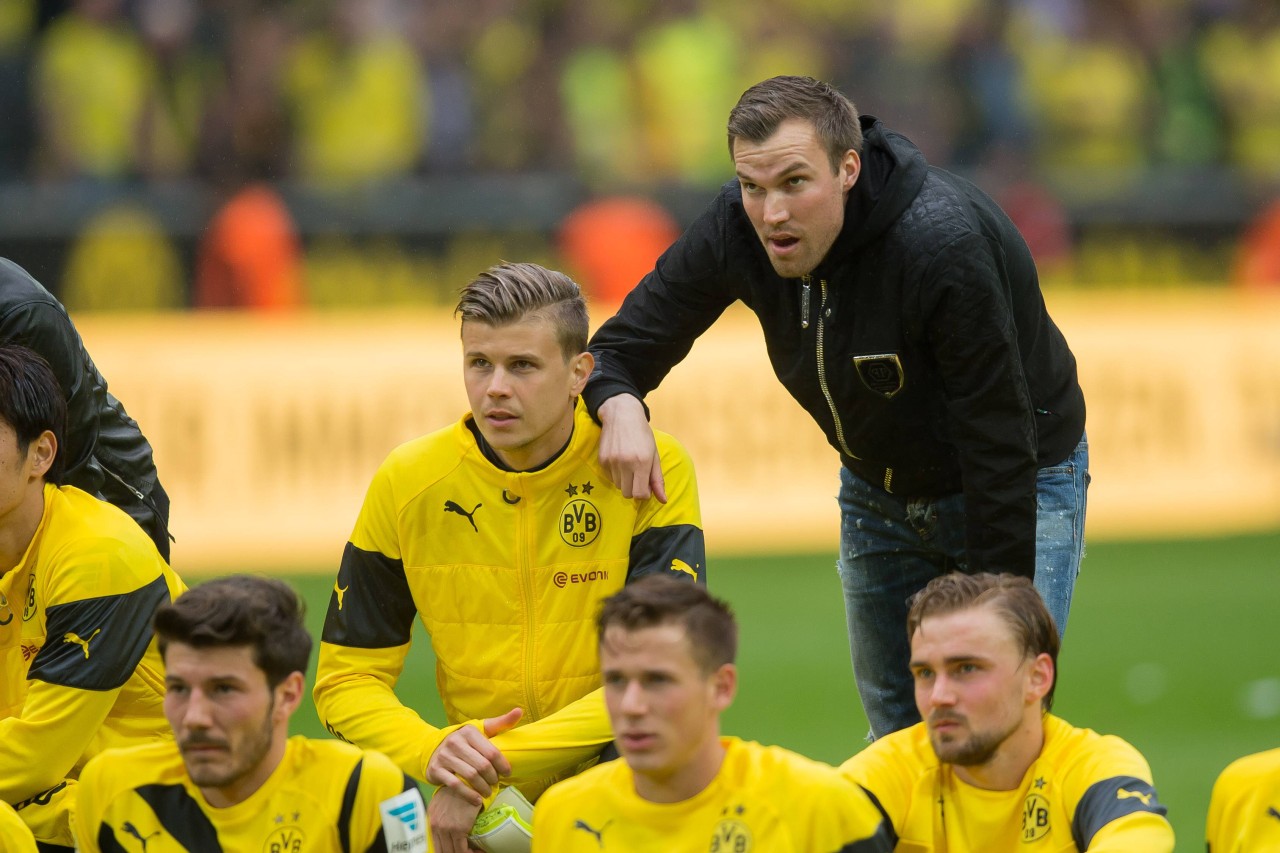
(586, 827)
(450, 506)
(682, 566)
(84, 644)
(1122, 794)
(340, 591)
(1271, 812)
(133, 830)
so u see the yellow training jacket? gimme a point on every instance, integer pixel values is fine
(80, 669)
(506, 571)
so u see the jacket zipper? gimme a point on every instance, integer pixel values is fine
(526, 586)
(804, 301)
(822, 368)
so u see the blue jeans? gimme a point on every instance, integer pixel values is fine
(890, 547)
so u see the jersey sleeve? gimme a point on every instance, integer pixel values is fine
(365, 639)
(1114, 802)
(668, 537)
(883, 771)
(17, 837)
(372, 784)
(96, 635)
(841, 816)
(558, 742)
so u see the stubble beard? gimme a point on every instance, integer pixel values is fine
(252, 751)
(975, 750)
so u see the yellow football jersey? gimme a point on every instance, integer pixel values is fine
(764, 799)
(80, 669)
(324, 796)
(1244, 811)
(15, 837)
(1085, 792)
(506, 571)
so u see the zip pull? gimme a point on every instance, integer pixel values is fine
(804, 302)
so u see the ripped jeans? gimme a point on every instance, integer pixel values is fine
(891, 547)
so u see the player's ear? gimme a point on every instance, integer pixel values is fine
(581, 366)
(1040, 675)
(850, 168)
(41, 453)
(724, 684)
(288, 695)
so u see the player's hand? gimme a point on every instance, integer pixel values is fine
(467, 763)
(451, 816)
(628, 452)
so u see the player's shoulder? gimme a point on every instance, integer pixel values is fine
(788, 773)
(670, 448)
(609, 776)
(1072, 746)
(125, 768)
(1250, 770)
(421, 462)
(339, 759)
(90, 539)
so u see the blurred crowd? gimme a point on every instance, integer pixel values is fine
(622, 93)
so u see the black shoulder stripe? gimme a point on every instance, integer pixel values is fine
(886, 823)
(181, 817)
(349, 807)
(882, 841)
(1110, 799)
(95, 644)
(107, 840)
(371, 606)
(655, 551)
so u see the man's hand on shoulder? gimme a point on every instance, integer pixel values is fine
(468, 764)
(628, 451)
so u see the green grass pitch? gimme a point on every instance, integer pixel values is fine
(1174, 646)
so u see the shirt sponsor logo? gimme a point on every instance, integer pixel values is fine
(563, 579)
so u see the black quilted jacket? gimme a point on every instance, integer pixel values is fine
(921, 344)
(103, 452)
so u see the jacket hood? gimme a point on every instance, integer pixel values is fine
(893, 170)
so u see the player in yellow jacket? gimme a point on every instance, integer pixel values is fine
(666, 653)
(79, 582)
(989, 768)
(1244, 810)
(235, 650)
(502, 534)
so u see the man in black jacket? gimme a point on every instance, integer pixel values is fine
(107, 454)
(902, 309)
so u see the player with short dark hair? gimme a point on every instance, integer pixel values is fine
(667, 659)
(103, 450)
(902, 309)
(79, 582)
(501, 533)
(235, 651)
(990, 768)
